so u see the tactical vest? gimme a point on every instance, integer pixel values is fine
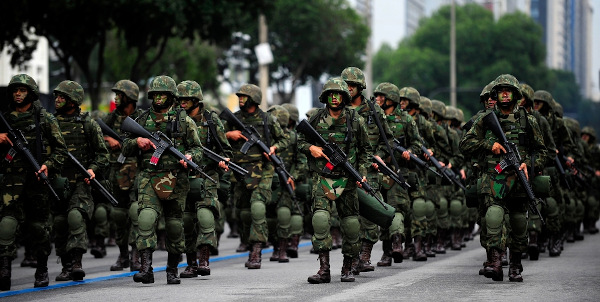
(517, 130)
(76, 130)
(260, 121)
(114, 121)
(372, 130)
(26, 122)
(173, 125)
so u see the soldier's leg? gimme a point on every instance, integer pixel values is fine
(455, 211)
(81, 207)
(431, 229)
(518, 237)
(350, 227)
(336, 233)
(190, 234)
(134, 232)
(419, 227)
(207, 215)
(496, 237)
(296, 228)
(175, 243)
(8, 247)
(101, 228)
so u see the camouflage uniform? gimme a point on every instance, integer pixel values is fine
(588, 135)
(503, 193)
(163, 188)
(27, 211)
(85, 141)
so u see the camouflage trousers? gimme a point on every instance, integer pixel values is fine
(397, 197)
(347, 208)
(151, 208)
(506, 223)
(198, 224)
(124, 215)
(70, 224)
(24, 215)
(279, 212)
(251, 204)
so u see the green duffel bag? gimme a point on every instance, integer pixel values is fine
(372, 210)
(541, 185)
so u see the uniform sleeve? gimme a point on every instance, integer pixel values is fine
(227, 150)
(382, 150)
(280, 140)
(538, 145)
(474, 141)
(193, 145)
(57, 157)
(101, 159)
(364, 149)
(413, 138)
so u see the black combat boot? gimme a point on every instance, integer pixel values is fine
(283, 243)
(440, 247)
(554, 245)
(347, 275)
(77, 272)
(504, 258)
(122, 260)
(29, 260)
(275, 256)
(146, 273)
(99, 251)
(243, 247)
(494, 270)
(515, 267)
(292, 249)
(397, 248)
(41, 272)
(577, 234)
(255, 256)
(456, 238)
(192, 266)
(324, 274)
(409, 250)
(532, 248)
(386, 258)
(136, 265)
(5, 272)
(172, 262)
(355, 269)
(203, 260)
(67, 268)
(419, 253)
(364, 264)
(428, 245)
(336, 236)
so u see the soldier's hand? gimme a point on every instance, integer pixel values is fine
(463, 175)
(92, 176)
(272, 150)
(43, 169)
(406, 155)
(427, 156)
(223, 164)
(4, 139)
(523, 167)
(497, 148)
(113, 144)
(449, 165)
(145, 144)
(570, 162)
(317, 152)
(183, 162)
(375, 165)
(364, 180)
(235, 135)
(291, 182)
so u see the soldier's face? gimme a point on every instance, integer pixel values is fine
(585, 137)
(505, 95)
(19, 94)
(404, 103)
(160, 99)
(380, 99)
(243, 99)
(186, 103)
(59, 100)
(353, 89)
(118, 98)
(538, 105)
(490, 103)
(334, 99)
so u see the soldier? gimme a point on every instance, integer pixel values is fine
(588, 136)
(85, 141)
(202, 205)
(162, 188)
(252, 193)
(347, 129)
(122, 177)
(502, 192)
(402, 125)
(25, 205)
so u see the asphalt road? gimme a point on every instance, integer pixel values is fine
(451, 277)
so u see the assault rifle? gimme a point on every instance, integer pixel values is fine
(447, 173)
(561, 173)
(580, 178)
(93, 181)
(20, 145)
(419, 162)
(512, 159)
(218, 158)
(162, 143)
(395, 175)
(106, 130)
(336, 157)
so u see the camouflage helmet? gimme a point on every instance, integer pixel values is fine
(451, 113)
(190, 89)
(589, 131)
(129, 88)
(461, 115)
(543, 96)
(251, 91)
(353, 75)
(311, 112)
(411, 94)
(293, 110)
(558, 108)
(71, 89)
(507, 80)
(281, 114)
(162, 83)
(333, 85)
(527, 91)
(24, 80)
(439, 108)
(485, 93)
(425, 105)
(573, 126)
(389, 91)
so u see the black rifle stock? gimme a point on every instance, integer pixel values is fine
(512, 159)
(218, 158)
(162, 143)
(447, 173)
(336, 157)
(20, 145)
(419, 162)
(93, 182)
(106, 130)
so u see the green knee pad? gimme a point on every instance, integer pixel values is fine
(296, 225)
(101, 216)
(351, 228)
(320, 222)
(206, 220)
(284, 217)
(188, 221)
(147, 221)
(552, 208)
(76, 222)
(397, 224)
(245, 216)
(494, 216)
(419, 207)
(174, 229)
(133, 213)
(456, 208)
(119, 216)
(518, 223)
(258, 212)
(8, 230)
(443, 210)
(429, 209)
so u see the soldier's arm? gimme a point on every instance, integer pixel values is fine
(364, 149)
(474, 141)
(279, 139)
(101, 159)
(57, 157)
(538, 146)
(193, 144)
(382, 150)
(413, 137)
